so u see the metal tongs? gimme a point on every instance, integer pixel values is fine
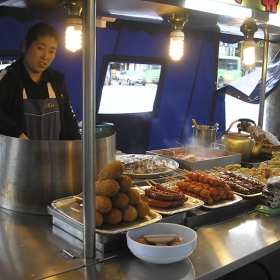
(195, 124)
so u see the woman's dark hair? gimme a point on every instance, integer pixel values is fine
(40, 29)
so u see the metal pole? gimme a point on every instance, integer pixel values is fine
(264, 70)
(89, 143)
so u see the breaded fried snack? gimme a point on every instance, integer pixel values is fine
(107, 187)
(120, 200)
(142, 208)
(113, 217)
(103, 204)
(129, 213)
(112, 170)
(98, 217)
(125, 183)
(134, 196)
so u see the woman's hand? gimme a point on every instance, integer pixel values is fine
(23, 136)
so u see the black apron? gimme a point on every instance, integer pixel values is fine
(42, 116)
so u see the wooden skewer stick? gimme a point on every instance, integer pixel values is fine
(148, 182)
(76, 210)
(169, 178)
(220, 168)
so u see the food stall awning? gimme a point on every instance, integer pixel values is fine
(157, 11)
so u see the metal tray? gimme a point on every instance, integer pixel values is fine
(64, 206)
(191, 204)
(214, 157)
(170, 165)
(224, 202)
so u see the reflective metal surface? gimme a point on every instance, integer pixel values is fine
(32, 248)
(65, 206)
(34, 173)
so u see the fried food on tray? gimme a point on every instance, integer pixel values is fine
(113, 217)
(120, 200)
(98, 219)
(129, 213)
(206, 187)
(112, 170)
(142, 209)
(125, 183)
(103, 204)
(98, 216)
(108, 187)
(134, 196)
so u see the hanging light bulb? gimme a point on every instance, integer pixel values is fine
(176, 47)
(249, 57)
(248, 28)
(73, 33)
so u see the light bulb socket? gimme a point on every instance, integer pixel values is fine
(248, 43)
(177, 35)
(74, 21)
(74, 8)
(178, 21)
(248, 28)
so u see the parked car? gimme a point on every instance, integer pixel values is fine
(130, 78)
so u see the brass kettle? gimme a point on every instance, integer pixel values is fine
(242, 142)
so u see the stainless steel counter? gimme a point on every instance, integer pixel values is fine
(32, 248)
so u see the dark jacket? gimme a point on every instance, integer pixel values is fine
(11, 103)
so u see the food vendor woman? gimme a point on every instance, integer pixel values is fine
(34, 101)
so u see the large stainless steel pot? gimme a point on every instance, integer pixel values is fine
(34, 173)
(205, 135)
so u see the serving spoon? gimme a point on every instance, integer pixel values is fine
(159, 238)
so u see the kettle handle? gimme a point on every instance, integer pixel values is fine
(240, 120)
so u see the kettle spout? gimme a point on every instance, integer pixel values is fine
(256, 151)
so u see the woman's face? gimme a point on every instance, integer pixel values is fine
(40, 54)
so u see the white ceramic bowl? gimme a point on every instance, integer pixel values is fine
(162, 254)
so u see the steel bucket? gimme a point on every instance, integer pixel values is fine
(34, 173)
(204, 135)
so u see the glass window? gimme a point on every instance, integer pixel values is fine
(129, 87)
(5, 63)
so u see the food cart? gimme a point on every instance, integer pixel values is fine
(34, 248)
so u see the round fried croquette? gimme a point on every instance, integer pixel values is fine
(98, 217)
(142, 208)
(103, 204)
(112, 170)
(129, 213)
(113, 217)
(134, 196)
(120, 200)
(107, 187)
(125, 183)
